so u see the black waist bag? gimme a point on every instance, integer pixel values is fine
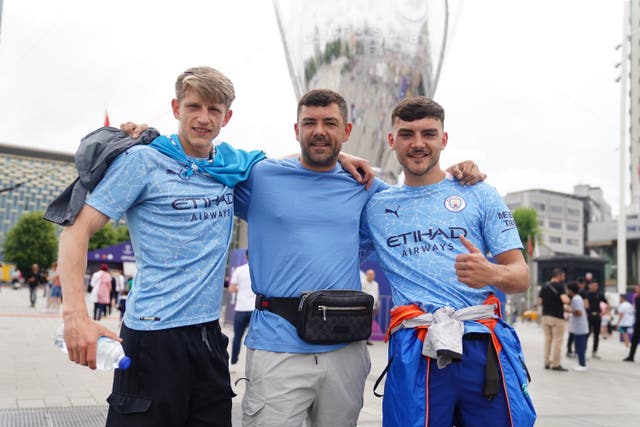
(335, 316)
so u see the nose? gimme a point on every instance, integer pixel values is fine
(203, 115)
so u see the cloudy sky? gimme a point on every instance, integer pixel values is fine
(528, 86)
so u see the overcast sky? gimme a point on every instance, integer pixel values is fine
(528, 86)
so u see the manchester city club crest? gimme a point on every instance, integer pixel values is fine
(455, 203)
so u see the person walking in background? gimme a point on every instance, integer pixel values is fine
(103, 293)
(55, 295)
(240, 285)
(582, 284)
(636, 326)
(578, 324)
(370, 286)
(595, 299)
(34, 278)
(625, 319)
(552, 298)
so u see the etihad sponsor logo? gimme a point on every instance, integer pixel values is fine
(418, 236)
(206, 215)
(455, 203)
(202, 202)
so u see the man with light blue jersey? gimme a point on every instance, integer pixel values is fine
(177, 196)
(452, 360)
(303, 217)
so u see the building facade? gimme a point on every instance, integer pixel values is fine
(29, 181)
(563, 218)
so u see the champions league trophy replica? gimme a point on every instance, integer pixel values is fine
(373, 52)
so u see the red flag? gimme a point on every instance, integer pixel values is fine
(106, 119)
(530, 246)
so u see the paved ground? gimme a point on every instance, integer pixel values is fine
(39, 387)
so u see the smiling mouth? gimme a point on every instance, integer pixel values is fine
(201, 130)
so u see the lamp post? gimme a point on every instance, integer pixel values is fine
(622, 216)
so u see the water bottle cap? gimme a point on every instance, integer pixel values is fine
(124, 363)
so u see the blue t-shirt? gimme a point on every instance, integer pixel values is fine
(303, 235)
(180, 231)
(415, 234)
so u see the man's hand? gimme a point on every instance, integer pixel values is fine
(473, 269)
(81, 336)
(133, 129)
(467, 173)
(355, 165)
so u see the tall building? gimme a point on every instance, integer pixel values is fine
(29, 181)
(563, 218)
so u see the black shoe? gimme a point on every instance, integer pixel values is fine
(559, 368)
(627, 359)
(571, 355)
(546, 366)
(369, 342)
(595, 356)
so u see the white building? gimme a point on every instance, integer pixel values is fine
(562, 217)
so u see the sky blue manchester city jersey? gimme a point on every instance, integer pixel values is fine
(180, 231)
(303, 235)
(415, 234)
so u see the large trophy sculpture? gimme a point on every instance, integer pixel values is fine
(373, 52)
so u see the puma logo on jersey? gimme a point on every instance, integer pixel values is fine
(391, 211)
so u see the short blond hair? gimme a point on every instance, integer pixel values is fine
(209, 83)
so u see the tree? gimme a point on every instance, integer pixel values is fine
(527, 222)
(32, 240)
(108, 235)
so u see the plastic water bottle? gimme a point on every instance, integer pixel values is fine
(109, 353)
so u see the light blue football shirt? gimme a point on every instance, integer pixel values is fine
(303, 235)
(415, 234)
(180, 231)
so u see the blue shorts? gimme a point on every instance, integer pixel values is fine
(56, 292)
(418, 393)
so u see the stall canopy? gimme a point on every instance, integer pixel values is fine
(120, 253)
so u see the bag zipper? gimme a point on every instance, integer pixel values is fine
(324, 309)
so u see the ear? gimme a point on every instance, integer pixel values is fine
(445, 139)
(227, 117)
(175, 106)
(390, 141)
(297, 130)
(347, 131)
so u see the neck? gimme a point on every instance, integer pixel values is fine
(431, 177)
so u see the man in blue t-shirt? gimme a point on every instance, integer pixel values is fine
(452, 360)
(177, 196)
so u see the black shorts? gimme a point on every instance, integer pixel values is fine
(177, 377)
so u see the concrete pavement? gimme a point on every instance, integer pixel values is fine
(40, 387)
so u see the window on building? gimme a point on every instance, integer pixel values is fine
(556, 209)
(555, 225)
(573, 212)
(541, 222)
(572, 242)
(555, 239)
(539, 206)
(572, 227)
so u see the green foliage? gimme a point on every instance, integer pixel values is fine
(108, 235)
(32, 240)
(527, 222)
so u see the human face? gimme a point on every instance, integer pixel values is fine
(321, 132)
(199, 122)
(418, 145)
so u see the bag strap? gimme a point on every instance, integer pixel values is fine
(286, 307)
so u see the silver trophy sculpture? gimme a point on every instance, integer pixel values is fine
(373, 52)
